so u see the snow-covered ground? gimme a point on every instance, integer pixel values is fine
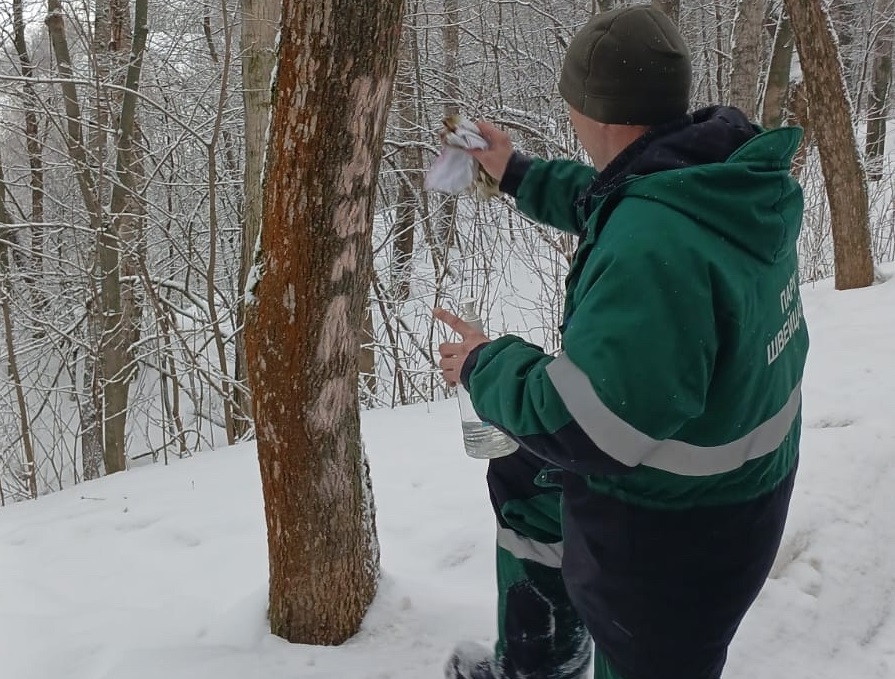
(161, 572)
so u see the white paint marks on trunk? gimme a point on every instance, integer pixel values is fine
(345, 263)
(289, 302)
(335, 333)
(337, 396)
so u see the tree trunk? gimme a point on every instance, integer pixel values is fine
(335, 70)
(92, 449)
(745, 71)
(410, 167)
(33, 146)
(720, 52)
(115, 304)
(366, 360)
(450, 36)
(90, 402)
(257, 43)
(128, 206)
(214, 230)
(831, 116)
(671, 8)
(74, 140)
(777, 86)
(797, 104)
(845, 23)
(878, 104)
(12, 364)
(117, 245)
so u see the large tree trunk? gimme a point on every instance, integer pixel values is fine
(831, 116)
(878, 104)
(335, 69)
(746, 53)
(773, 109)
(257, 44)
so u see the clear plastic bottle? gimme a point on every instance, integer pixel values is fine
(482, 440)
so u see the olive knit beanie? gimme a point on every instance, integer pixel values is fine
(628, 66)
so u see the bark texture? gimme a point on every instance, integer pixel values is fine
(777, 86)
(335, 69)
(746, 55)
(831, 116)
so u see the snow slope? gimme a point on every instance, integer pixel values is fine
(161, 572)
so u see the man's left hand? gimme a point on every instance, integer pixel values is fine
(453, 354)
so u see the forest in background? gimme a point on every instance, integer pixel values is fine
(130, 192)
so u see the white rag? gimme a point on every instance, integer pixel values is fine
(454, 170)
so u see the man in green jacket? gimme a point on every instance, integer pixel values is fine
(658, 449)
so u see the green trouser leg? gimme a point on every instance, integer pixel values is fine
(540, 635)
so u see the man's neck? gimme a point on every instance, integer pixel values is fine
(616, 139)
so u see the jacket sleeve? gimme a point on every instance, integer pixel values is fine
(639, 351)
(546, 190)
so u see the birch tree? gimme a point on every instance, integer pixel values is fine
(335, 68)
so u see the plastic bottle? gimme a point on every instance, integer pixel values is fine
(482, 440)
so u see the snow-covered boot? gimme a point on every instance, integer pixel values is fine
(470, 660)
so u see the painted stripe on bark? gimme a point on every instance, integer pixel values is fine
(620, 440)
(547, 554)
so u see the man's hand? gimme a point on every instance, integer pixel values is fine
(500, 147)
(453, 354)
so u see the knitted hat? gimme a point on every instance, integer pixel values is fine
(629, 66)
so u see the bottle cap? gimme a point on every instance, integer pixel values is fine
(467, 309)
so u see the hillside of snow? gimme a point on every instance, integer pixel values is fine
(161, 572)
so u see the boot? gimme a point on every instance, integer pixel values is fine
(470, 660)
